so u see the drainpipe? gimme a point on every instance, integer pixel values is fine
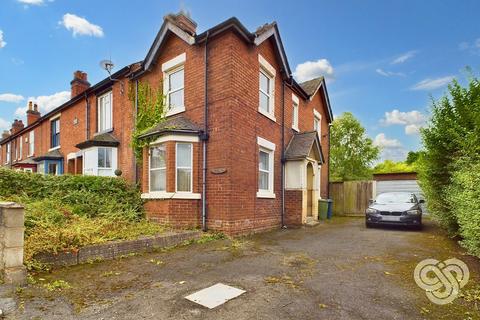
(87, 116)
(328, 163)
(205, 140)
(135, 166)
(283, 155)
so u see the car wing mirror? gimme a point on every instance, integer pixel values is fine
(371, 201)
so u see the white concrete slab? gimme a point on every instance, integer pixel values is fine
(215, 295)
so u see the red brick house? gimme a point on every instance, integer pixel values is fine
(244, 147)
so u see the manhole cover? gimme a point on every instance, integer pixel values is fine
(215, 295)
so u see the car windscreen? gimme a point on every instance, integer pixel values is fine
(387, 198)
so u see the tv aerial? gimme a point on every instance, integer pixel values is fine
(107, 65)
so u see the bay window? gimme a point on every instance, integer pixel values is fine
(158, 168)
(104, 161)
(184, 167)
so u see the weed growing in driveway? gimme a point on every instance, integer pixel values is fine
(57, 285)
(283, 279)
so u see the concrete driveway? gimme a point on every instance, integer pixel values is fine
(337, 270)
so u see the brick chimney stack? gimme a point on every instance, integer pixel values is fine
(5, 134)
(79, 83)
(32, 113)
(183, 21)
(16, 126)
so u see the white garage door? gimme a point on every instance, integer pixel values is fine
(400, 186)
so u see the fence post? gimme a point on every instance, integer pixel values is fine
(11, 243)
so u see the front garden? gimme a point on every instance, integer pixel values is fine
(68, 212)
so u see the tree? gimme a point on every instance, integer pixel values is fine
(351, 151)
(452, 149)
(389, 166)
(412, 157)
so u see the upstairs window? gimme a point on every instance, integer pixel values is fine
(317, 123)
(184, 167)
(55, 133)
(295, 103)
(9, 150)
(266, 89)
(21, 148)
(31, 143)
(105, 112)
(174, 84)
(158, 168)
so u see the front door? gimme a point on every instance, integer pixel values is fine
(309, 189)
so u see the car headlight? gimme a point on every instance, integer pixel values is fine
(413, 212)
(370, 210)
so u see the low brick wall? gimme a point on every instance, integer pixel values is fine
(116, 249)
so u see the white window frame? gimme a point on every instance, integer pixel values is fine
(101, 106)
(31, 143)
(8, 153)
(267, 147)
(269, 71)
(105, 150)
(150, 169)
(317, 117)
(174, 65)
(177, 167)
(295, 112)
(54, 118)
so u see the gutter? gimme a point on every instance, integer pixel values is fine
(204, 138)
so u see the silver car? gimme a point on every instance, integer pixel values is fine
(394, 208)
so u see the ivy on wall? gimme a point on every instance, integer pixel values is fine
(150, 112)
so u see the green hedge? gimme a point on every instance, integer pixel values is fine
(87, 196)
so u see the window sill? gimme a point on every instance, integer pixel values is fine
(54, 148)
(265, 194)
(171, 195)
(102, 132)
(174, 111)
(268, 115)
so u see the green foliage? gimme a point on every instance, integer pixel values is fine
(68, 212)
(389, 166)
(413, 156)
(351, 151)
(150, 112)
(57, 285)
(449, 167)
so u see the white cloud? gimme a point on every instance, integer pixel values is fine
(81, 26)
(404, 57)
(389, 73)
(412, 120)
(45, 103)
(4, 125)
(313, 69)
(10, 97)
(2, 42)
(432, 84)
(473, 47)
(391, 149)
(31, 2)
(383, 142)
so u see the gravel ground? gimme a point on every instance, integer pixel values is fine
(336, 270)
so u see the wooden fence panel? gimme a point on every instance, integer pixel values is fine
(351, 197)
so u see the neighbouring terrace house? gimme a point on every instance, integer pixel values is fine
(243, 147)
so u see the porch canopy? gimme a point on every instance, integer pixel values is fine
(305, 145)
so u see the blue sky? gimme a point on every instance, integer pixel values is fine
(383, 59)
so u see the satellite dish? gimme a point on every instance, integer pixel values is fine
(107, 65)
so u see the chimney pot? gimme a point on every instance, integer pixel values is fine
(17, 126)
(183, 21)
(32, 114)
(29, 105)
(79, 83)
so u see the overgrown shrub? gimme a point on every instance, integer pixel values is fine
(69, 212)
(87, 196)
(463, 196)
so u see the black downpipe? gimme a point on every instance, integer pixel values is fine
(328, 164)
(283, 155)
(87, 116)
(205, 140)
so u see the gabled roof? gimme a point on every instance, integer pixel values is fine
(311, 87)
(176, 124)
(302, 144)
(51, 155)
(99, 140)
